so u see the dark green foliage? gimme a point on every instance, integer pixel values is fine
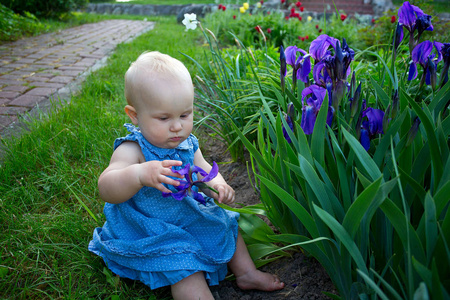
(44, 8)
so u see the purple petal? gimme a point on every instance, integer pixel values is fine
(199, 197)
(183, 171)
(317, 72)
(177, 196)
(408, 14)
(330, 115)
(375, 117)
(304, 71)
(421, 52)
(412, 71)
(199, 170)
(318, 93)
(308, 119)
(212, 174)
(364, 139)
(320, 45)
(291, 55)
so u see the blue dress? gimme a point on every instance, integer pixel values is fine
(160, 241)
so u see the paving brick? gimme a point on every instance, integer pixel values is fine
(4, 101)
(27, 100)
(12, 110)
(47, 84)
(41, 91)
(15, 88)
(8, 95)
(62, 79)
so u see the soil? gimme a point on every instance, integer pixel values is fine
(303, 276)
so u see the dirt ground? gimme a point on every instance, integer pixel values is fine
(304, 277)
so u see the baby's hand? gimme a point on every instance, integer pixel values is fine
(226, 193)
(154, 173)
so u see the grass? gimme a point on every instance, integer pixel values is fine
(48, 189)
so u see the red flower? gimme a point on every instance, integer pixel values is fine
(373, 21)
(262, 2)
(302, 8)
(317, 26)
(299, 37)
(320, 30)
(234, 17)
(220, 6)
(298, 4)
(307, 37)
(393, 18)
(292, 10)
(299, 18)
(282, 1)
(343, 17)
(268, 12)
(258, 28)
(303, 39)
(287, 17)
(269, 31)
(224, 7)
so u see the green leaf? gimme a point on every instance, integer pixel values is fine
(421, 292)
(431, 229)
(363, 157)
(318, 135)
(398, 221)
(299, 211)
(255, 228)
(381, 94)
(373, 285)
(343, 236)
(355, 213)
(432, 140)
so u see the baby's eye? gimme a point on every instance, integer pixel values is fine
(163, 118)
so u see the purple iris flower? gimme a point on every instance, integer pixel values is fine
(422, 55)
(372, 124)
(444, 53)
(300, 63)
(314, 96)
(414, 18)
(398, 36)
(319, 47)
(282, 67)
(186, 186)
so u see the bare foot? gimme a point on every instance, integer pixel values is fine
(257, 280)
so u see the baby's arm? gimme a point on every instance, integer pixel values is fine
(128, 172)
(226, 192)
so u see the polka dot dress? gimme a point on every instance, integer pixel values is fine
(160, 241)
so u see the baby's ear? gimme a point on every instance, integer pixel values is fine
(131, 112)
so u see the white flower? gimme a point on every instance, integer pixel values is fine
(190, 21)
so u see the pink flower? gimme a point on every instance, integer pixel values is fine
(262, 2)
(307, 37)
(269, 31)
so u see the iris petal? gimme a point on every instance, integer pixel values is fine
(212, 174)
(412, 71)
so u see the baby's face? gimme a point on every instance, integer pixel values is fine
(165, 116)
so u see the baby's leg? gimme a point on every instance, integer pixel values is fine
(192, 287)
(247, 276)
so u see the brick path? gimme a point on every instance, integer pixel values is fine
(34, 69)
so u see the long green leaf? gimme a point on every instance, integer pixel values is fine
(343, 237)
(358, 208)
(382, 96)
(299, 211)
(363, 157)
(433, 144)
(318, 135)
(373, 285)
(431, 229)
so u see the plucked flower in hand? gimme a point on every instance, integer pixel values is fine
(190, 21)
(186, 186)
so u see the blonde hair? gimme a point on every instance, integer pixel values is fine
(149, 66)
